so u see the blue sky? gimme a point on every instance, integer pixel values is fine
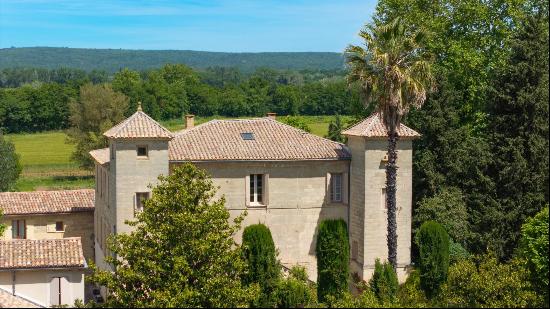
(231, 26)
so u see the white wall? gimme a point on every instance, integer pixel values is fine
(34, 285)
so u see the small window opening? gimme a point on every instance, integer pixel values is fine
(59, 226)
(142, 151)
(247, 136)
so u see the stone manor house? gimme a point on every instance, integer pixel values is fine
(284, 177)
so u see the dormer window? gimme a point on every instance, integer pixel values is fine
(142, 152)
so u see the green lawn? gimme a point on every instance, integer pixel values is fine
(44, 152)
(46, 160)
(46, 156)
(29, 183)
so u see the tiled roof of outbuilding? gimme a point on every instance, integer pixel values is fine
(373, 127)
(45, 202)
(269, 140)
(139, 125)
(7, 300)
(43, 253)
(100, 155)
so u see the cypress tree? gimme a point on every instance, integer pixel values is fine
(433, 246)
(332, 259)
(518, 131)
(263, 268)
(384, 283)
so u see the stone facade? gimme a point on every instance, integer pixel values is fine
(368, 212)
(296, 201)
(78, 224)
(296, 191)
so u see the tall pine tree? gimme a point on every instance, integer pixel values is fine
(518, 131)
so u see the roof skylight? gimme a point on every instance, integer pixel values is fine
(247, 136)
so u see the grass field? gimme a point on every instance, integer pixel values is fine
(47, 165)
(46, 156)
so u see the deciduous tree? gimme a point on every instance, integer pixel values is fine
(10, 168)
(181, 252)
(98, 109)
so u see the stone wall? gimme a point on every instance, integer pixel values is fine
(297, 201)
(368, 207)
(78, 224)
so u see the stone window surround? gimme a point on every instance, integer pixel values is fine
(265, 191)
(138, 204)
(142, 157)
(344, 188)
(336, 187)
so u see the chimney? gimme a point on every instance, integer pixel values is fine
(272, 116)
(189, 121)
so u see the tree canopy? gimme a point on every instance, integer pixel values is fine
(181, 252)
(10, 168)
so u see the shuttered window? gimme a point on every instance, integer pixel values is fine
(256, 189)
(336, 188)
(19, 229)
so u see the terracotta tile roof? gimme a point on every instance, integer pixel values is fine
(100, 155)
(373, 127)
(139, 125)
(7, 300)
(271, 140)
(43, 253)
(45, 202)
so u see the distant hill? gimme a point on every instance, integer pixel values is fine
(111, 60)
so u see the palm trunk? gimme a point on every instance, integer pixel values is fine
(391, 182)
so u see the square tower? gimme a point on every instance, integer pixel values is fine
(137, 155)
(368, 143)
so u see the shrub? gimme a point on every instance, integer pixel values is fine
(448, 208)
(457, 252)
(296, 291)
(263, 267)
(483, 282)
(410, 295)
(534, 249)
(297, 122)
(384, 282)
(332, 259)
(366, 299)
(433, 246)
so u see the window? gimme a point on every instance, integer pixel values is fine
(59, 227)
(112, 151)
(336, 188)
(140, 198)
(256, 189)
(19, 229)
(384, 202)
(142, 152)
(247, 136)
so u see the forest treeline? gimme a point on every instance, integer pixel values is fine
(112, 60)
(34, 99)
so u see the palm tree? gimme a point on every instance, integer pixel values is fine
(394, 72)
